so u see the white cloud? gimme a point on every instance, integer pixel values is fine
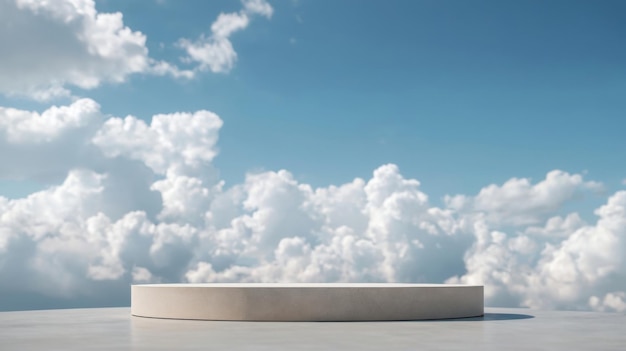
(558, 272)
(141, 202)
(228, 23)
(25, 126)
(52, 47)
(259, 7)
(31, 142)
(518, 201)
(215, 52)
(615, 301)
(557, 227)
(82, 47)
(141, 275)
(171, 142)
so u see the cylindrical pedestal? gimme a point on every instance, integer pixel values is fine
(306, 302)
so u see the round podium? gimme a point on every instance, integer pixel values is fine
(307, 302)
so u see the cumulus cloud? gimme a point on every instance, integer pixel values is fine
(171, 142)
(258, 7)
(215, 52)
(132, 201)
(21, 127)
(559, 272)
(518, 202)
(615, 301)
(31, 142)
(84, 48)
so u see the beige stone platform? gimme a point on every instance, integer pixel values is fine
(307, 302)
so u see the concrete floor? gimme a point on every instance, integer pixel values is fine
(500, 329)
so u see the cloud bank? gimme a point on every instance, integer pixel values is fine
(141, 202)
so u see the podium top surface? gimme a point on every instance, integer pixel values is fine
(305, 285)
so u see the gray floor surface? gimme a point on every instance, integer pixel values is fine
(499, 329)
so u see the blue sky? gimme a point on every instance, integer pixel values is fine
(510, 114)
(458, 94)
